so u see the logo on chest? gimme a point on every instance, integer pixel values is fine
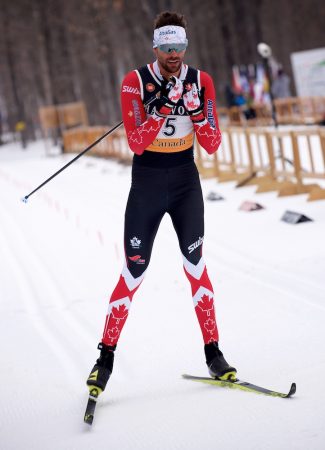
(150, 87)
(178, 110)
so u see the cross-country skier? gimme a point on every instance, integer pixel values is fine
(165, 180)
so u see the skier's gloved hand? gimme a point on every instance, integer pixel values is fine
(170, 94)
(194, 103)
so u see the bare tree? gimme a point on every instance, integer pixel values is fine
(57, 51)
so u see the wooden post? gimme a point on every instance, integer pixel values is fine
(270, 154)
(249, 152)
(231, 151)
(322, 144)
(296, 158)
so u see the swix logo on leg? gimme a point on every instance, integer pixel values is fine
(195, 244)
(135, 242)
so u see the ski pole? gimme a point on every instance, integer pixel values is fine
(26, 197)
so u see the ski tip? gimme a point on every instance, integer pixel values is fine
(292, 390)
(187, 376)
(88, 419)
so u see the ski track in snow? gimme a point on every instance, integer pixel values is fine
(237, 263)
(156, 410)
(21, 256)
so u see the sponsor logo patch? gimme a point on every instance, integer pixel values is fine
(150, 87)
(137, 259)
(130, 90)
(177, 110)
(195, 245)
(137, 113)
(210, 114)
(162, 33)
(135, 242)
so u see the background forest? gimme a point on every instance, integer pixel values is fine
(59, 51)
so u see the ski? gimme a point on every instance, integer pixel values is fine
(242, 385)
(91, 406)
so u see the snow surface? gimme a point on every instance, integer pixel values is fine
(61, 255)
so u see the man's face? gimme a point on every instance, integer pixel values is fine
(170, 62)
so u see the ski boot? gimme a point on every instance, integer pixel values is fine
(217, 365)
(102, 370)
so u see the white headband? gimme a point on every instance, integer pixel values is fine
(170, 34)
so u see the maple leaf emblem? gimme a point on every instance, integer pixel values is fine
(206, 304)
(191, 105)
(136, 135)
(210, 133)
(135, 242)
(210, 326)
(113, 333)
(120, 312)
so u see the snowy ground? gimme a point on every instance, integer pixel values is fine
(61, 255)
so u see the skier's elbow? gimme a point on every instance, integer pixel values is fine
(211, 150)
(136, 148)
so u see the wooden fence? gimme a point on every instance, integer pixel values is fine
(289, 111)
(287, 161)
(58, 118)
(112, 146)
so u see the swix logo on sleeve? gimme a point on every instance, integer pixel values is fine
(195, 244)
(130, 90)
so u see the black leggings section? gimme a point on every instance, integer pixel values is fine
(154, 192)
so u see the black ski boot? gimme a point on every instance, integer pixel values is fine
(217, 365)
(102, 370)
